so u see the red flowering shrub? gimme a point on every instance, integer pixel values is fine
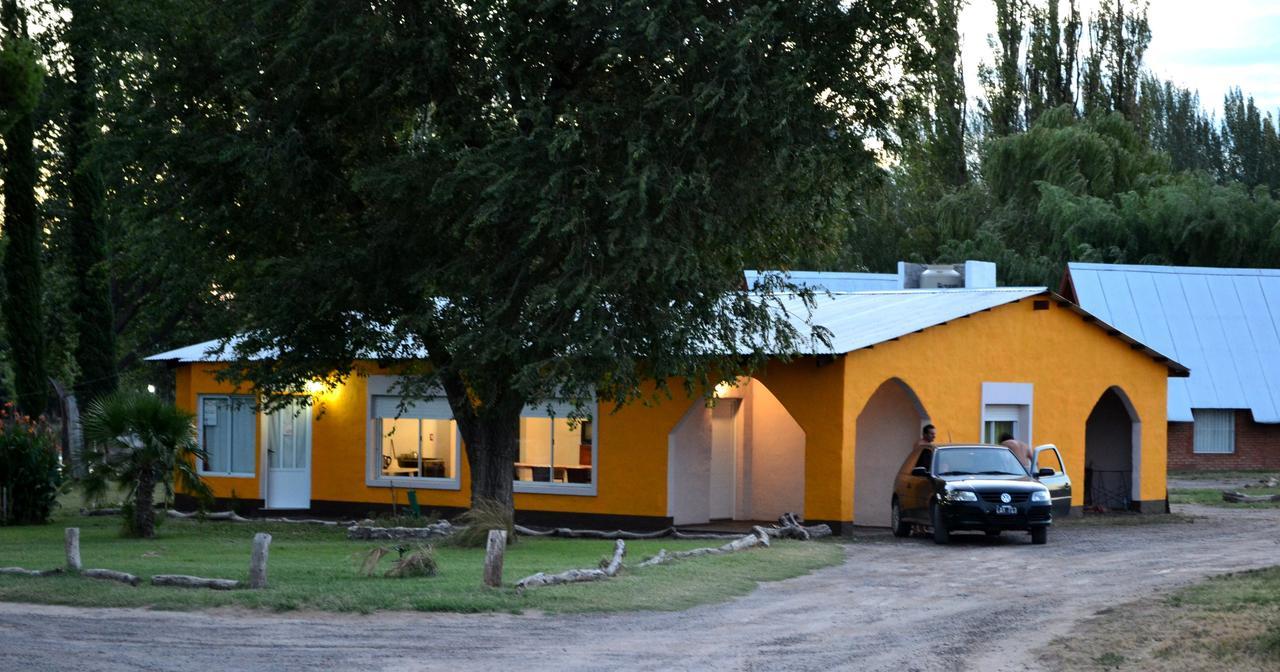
(30, 473)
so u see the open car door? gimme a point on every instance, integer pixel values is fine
(1047, 459)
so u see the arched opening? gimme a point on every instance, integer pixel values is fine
(1112, 453)
(741, 458)
(887, 430)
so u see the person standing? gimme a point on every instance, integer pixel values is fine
(1020, 450)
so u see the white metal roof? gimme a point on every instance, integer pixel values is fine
(1224, 323)
(860, 319)
(830, 281)
(855, 320)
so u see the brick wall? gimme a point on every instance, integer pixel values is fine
(1257, 447)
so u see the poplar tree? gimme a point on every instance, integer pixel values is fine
(91, 308)
(20, 86)
(1002, 81)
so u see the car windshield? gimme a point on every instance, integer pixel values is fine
(977, 461)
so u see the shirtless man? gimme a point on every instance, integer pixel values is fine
(1020, 450)
(927, 436)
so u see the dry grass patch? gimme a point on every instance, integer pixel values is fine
(1225, 623)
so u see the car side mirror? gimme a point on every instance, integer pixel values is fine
(920, 471)
(1045, 471)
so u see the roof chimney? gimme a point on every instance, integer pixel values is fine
(969, 275)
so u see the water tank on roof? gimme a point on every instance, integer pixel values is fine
(941, 277)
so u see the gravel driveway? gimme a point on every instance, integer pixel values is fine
(893, 605)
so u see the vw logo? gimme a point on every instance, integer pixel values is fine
(1004, 497)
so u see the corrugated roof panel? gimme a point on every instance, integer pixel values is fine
(1089, 288)
(1146, 303)
(1179, 400)
(1121, 313)
(1260, 333)
(1223, 323)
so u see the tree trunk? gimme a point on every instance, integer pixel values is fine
(144, 510)
(492, 446)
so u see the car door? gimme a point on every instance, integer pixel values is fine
(1059, 484)
(919, 488)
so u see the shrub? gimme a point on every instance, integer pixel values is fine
(414, 561)
(483, 516)
(30, 472)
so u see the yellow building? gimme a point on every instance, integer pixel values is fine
(821, 434)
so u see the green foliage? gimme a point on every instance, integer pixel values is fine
(30, 472)
(137, 441)
(21, 80)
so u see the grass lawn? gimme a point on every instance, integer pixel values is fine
(313, 567)
(1213, 497)
(1230, 622)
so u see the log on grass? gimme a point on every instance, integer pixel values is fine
(578, 575)
(758, 537)
(72, 543)
(1240, 498)
(214, 515)
(30, 572)
(493, 555)
(592, 534)
(185, 581)
(111, 575)
(99, 512)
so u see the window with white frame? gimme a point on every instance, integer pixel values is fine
(416, 441)
(1001, 420)
(1215, 431)
(557, 448)
(227, 435)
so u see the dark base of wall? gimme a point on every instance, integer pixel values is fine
(838, 527)
(1151, 506)
(347, 510)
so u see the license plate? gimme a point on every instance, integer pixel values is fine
(1006, 510)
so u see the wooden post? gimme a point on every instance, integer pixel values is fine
(258, 561)
(493, 558)
(73, 549)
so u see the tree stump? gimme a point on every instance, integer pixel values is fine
(258, 560)
(73, 549)
(493, 555)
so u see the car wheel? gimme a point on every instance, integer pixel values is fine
(901, 528)
(941, 534)
(1039, 535)
(992, 533)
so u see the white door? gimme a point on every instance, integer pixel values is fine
(288, 439)
(724, 458)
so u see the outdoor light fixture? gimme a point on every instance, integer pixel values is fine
(151, 389)
(314, 387)
(723, 389)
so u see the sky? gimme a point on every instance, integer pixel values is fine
(1202, 45)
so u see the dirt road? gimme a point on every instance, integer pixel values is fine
(893, 605)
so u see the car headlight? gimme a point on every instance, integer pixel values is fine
(1040, 496)
(962, 496)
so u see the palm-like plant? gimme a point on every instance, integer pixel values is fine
(137, 441)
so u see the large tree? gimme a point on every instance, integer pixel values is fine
(517, 201)
(20, 86)
(91, 309)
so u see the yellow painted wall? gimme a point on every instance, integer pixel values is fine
(1070, 362)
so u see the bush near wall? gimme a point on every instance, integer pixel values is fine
(30, 473)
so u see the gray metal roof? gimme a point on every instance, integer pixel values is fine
(1224, 323)
(208, 351)
(830, 281)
